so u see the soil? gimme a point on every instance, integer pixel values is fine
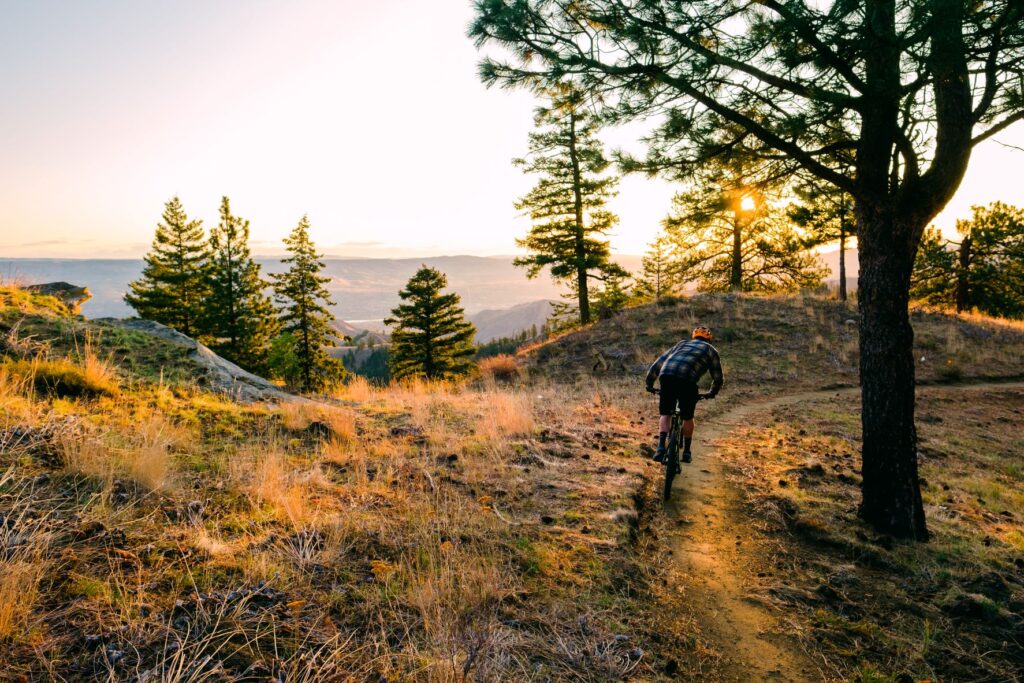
(709, 545)
(715, 565)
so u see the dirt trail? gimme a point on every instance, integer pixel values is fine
(711, 546)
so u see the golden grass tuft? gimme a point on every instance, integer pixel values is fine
(86, 455)
(502, 368)
(267, 478)
(358, 389)
(297, 417)
(507, 414)
(23, 546)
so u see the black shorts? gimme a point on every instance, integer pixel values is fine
(676, 390)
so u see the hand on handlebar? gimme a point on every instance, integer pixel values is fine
(652, 390)
(705, 397)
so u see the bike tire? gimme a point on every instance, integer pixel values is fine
(670, 475)
(671, 464)
(671, 459)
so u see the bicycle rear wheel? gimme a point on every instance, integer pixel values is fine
(671, 458)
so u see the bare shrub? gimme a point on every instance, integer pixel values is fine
(358, 389)
(503, 368)
(23, 545)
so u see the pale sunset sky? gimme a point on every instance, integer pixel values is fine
(368, 116)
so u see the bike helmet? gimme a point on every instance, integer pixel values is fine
(703, 333)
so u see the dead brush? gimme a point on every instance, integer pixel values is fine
(456, 593)
(503, 369)
(12, 343)
(24, 545)
(241, 635)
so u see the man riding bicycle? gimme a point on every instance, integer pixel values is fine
(678, 370)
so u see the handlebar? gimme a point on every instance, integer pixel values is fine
(700, 397)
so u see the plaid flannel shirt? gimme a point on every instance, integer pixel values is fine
(689, 359)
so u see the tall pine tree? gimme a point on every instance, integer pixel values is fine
(431, 338)
(659, 272)
(983, 271)
(305, 318)
(825, 212)
(173, 287)
(731, 237)
(567, 206)
(239, 315)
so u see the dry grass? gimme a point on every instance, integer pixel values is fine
(502, 368)
(24, 544)
(358, 389)
(300, 416)
(963, 588)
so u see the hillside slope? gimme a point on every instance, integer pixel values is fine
(779, 342)
(778, 576)
(154, 530)
(33, 326)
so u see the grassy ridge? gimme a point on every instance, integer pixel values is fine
(878, 609)
(780, 342)
(499, 530)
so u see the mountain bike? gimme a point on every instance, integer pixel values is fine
(672, 453)
(671, 461)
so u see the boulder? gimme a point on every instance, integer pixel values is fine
(221, 374)
(70, 295)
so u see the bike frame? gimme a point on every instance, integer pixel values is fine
(672, 454)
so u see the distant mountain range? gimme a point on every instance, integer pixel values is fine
(363, 289)
(497, 296)
(507, 322)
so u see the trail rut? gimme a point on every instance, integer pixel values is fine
(710, 544)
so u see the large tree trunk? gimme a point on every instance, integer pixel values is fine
(842, 248)
(736, 273)
(962, 276)
(582, 292)
(842, 260)
(891, 491)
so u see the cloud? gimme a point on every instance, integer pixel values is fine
(41, 243)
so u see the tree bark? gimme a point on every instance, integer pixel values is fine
(580, 247)
(962, 276)
(842, 249)
(891, 495)
(736, 274)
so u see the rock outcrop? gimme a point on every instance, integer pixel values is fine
(221, 374)
(68, 294)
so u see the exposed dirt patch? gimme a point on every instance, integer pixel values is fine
(872, 607)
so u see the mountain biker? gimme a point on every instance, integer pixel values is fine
(678, 370)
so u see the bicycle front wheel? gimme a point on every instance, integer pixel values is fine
(671, 459)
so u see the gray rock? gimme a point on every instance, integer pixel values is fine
(221, 374)
(70, 295)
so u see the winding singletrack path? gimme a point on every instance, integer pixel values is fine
(755, 644)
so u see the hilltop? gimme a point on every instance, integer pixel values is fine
(508, 528)
(775, 342)
(779, 578)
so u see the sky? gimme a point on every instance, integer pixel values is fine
(368, 117)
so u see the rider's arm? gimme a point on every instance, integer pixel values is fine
(655, 370)
(717, 377)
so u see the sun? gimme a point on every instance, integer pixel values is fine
(748, 203)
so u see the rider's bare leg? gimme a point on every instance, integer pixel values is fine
(663, 425)
(687, 434)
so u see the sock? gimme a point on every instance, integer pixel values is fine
(661, 439)
(686, 442)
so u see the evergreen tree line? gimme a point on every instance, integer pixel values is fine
(730, 229)
(733, 228)
(883, 101)
(209, 287)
